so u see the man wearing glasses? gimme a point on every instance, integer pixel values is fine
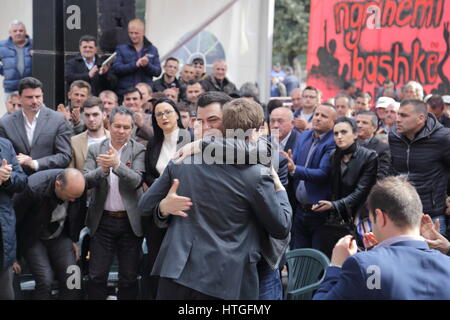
(311, 98)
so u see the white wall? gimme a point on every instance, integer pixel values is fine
(11, 10)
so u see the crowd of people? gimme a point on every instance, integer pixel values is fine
(219, 185)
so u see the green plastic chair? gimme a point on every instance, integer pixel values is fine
(306, 270)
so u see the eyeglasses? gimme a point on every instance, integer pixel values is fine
(167, 113)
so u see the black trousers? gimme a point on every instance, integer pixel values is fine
(49, 259)
(309, 231)
(170, 290)
(114, 236)
(154, 237)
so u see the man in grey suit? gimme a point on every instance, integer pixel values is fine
(114, 170)
(40, 136)
(211, 251)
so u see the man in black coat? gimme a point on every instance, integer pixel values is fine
(87, 66)
(50, 215)
(367, 123)
(420, 148)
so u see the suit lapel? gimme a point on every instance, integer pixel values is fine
(84, 145)
(20, 128)
(126, 155)
(41, 121)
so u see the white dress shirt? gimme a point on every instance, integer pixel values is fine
(30, 128)
(114, 199)
(168, 149)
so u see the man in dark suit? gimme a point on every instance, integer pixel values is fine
(40, 136)
(401, 266)
(88, 66)
(310, 169)
(222, 232)
(367, 123)
(281, 124)
(50, 215)
(114, 170)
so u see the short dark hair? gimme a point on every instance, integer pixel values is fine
(373, 119)
(132, 90)
(273, 104)
(348, 120)
(418, 105)
(398, 199)
(29, 83)
(364, 95)
(93, 102)
(171, 59)
(121, 110)
(183, 106)
(87, 38)
(213, 97)
(193, 82)
(436, 102)
(81, 84)
(199, 61)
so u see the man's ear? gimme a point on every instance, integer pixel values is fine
(381, 217)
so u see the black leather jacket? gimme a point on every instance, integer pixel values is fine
(357, 180)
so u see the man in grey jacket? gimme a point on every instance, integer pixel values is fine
(40, 136)
(114, 170)
(234, 207)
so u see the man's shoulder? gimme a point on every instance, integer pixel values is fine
(137, 147)
(40, 180)
(79, 137)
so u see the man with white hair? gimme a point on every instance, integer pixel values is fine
(15, 56)
(412, 90)
(218, 81)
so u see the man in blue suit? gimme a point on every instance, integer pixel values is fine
(310, 168)
(401, 266)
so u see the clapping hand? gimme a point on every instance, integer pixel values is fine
(108, 160)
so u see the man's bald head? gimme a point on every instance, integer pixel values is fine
(136, 30)
(69, 185)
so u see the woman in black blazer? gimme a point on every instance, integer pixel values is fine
(353, 174)
(169, 136)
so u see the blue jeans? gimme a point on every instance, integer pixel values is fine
(442, 224)
(270, 287)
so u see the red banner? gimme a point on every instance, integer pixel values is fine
(370, 41)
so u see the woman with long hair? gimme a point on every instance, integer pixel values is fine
(169, 136)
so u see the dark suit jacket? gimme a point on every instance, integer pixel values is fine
(35, 205)
(384, 156)
(216, 249)
(76, 70)
(292, 141)
(51, 140)
(406, 270)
